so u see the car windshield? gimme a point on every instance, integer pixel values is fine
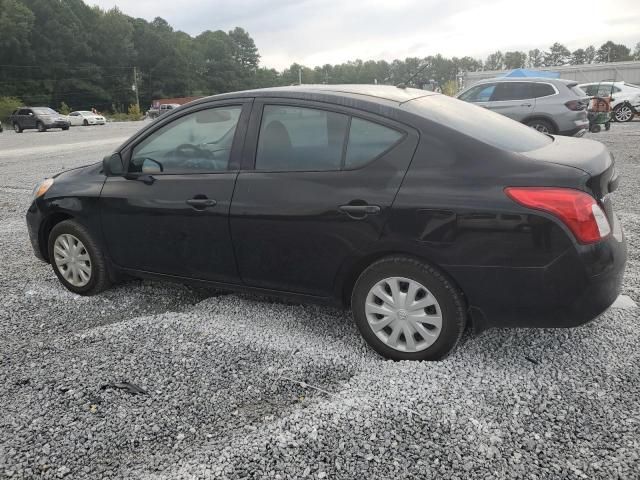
(85, 113)
(44, 111)
(477, 122)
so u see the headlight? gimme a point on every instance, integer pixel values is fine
(42, 188)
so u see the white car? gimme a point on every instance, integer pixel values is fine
(86, 118)
(625, 97)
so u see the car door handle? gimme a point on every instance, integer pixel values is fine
(359, 211)
(525, 105)
(201, 203)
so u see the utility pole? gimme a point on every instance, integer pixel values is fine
(300, 76)
(135, 86)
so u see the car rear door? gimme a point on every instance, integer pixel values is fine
(513, 99)
(169, 213)
(314, 193)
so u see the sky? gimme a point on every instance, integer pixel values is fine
(315, 32)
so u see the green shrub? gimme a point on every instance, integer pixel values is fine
(64, 109)
(134, 112)
(7, 106)
(450, 88)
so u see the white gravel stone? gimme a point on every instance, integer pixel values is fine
(241, 387)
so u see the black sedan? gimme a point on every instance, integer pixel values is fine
(422, 213)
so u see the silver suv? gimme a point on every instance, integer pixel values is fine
(549, 105)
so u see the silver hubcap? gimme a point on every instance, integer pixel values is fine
(624, 114)
(403, 314)
(539, 127)
(72, 260)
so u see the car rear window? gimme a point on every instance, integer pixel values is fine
(575, 88)
(479, 123)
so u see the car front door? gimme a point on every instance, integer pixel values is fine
(27, 118)
(513, 99)
(169, 213)
(480, 94)
(314, 193)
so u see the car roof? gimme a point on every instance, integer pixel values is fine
(605, 82)
(525, 79)
(369, 93)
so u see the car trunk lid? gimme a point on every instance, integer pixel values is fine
(591, 157)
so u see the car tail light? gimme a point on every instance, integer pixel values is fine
(575, 105)
(578, 210)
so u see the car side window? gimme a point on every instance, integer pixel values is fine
(199, 142)
(367, 140)
(542, 90)
(300, 138)
(24, 111)
(481, 93)
(512, 91)
(590, 90)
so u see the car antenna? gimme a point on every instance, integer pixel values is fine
(404, 84)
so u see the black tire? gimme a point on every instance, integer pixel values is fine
(450, 299)
(40, 126)
(595, 128)
(17, 128)
(99, 278)
(85, 123)
(623, 113)
(543, 126)
(65, 128)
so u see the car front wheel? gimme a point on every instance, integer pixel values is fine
(623, 113)
(41, 127)
(77, 260)
(17, 128)
(407, 310)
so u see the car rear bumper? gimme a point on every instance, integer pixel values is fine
(574, 289)
(578, 128)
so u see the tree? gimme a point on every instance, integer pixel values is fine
(613, 52)
(636, 52)
(515, 60)
(589, 54)
(558, 55)
(578, 57)
(536, 58)
(495, 61)
(244, 50)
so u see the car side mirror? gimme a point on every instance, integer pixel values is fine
(113, 165)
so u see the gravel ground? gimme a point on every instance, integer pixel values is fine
(240, 387)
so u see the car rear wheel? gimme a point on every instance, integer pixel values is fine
(85, 123)
(76, 259)
(17, 128)
(543, 126)
(408, 310)
(623, 113)
(40, 126)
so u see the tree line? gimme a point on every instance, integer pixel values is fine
(55, 51)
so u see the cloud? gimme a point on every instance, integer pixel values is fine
(315, 32)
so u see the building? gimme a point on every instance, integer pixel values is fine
(595, 72)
